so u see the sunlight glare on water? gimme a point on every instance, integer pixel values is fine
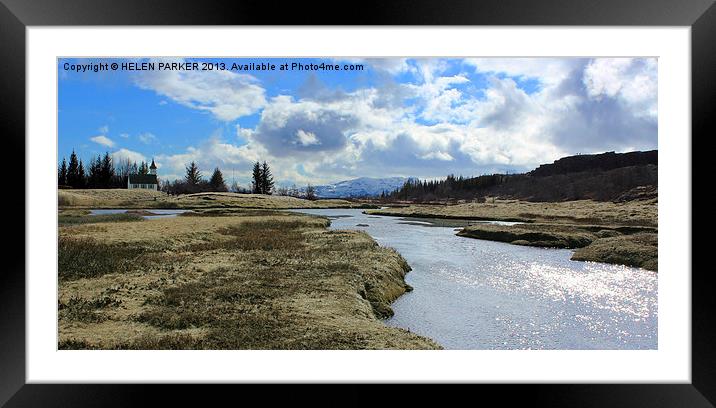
(476, 294)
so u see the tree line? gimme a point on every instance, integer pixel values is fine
(194, 182)
(452, 187)
(308, 193)
(102, 172)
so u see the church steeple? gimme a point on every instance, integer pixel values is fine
(153, 168)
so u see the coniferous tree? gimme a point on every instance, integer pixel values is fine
(266, 179)
(216, 182)
(62, 173)
(73, 171)
(93, 178)
(256, 183)
(449, 188)
(106, 171)
(143, 168)
(81, 177)
(193, 175)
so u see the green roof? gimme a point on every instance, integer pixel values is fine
(143, 179)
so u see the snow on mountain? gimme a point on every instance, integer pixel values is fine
(360, 187)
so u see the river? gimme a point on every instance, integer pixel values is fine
(476, 294)
(157, 213)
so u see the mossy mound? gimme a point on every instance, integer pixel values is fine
(539, 235)
(638, 250)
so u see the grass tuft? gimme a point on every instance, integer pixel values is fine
(82, 310)
(89, 258)
(65, 219)
(638, 250)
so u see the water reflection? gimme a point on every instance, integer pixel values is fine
(475, 294)
(157, 213)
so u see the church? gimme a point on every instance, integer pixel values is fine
(144, 181)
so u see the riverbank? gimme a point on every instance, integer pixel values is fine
(227, 280)
(635, 213)
(487, 295)
(149, 199)
(630, 246)
(641, 250)
(619, 233)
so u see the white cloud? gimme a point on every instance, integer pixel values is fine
(103, 129)
(103, 140)
(350, 136)
(437, 156)
(604, 76)
(212, 152)
(244, 133)
(441, 98)
(438, 124)
(306, 138)
(226, 95)
(505, 107)
(122, 155)
(124, 135)
(147, 137)
(304, 127)
(392, 66)
(549, 71)
(634, 81)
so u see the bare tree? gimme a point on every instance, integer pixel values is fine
(310, 192)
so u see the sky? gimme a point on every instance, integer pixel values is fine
(424, 117)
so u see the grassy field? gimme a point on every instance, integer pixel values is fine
(619, 233)
(639, 213)
(226, 279)
(121, 198)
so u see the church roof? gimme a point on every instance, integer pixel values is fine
(153, 166)
(143, 179)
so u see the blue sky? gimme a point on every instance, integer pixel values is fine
(397, 117)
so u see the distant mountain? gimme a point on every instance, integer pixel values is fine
(360, 187)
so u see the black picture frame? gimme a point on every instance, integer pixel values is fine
(16, 15)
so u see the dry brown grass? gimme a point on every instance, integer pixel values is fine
(69, 219)
(540, 235)
(639, 250)
(261, 280)
(550, 235)
(109, 198)
(639, 213)
(120, 198)
(89, 258)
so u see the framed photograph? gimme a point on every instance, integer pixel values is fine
(493, 193)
